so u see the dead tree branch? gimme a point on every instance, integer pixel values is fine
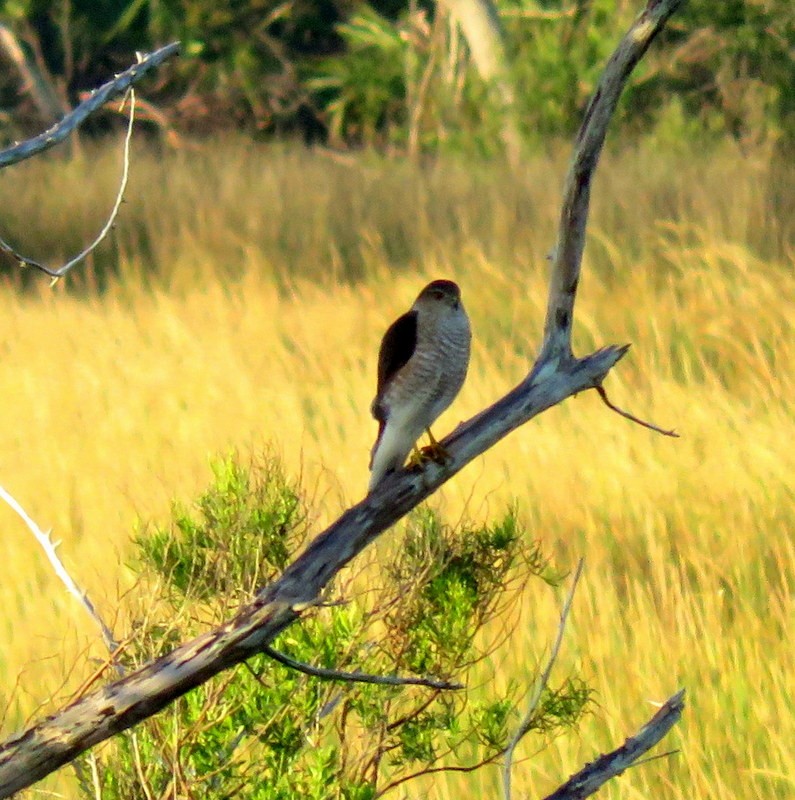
(556, 375)
(593, 776)
(108, 91)
(58, 272)
(356, 677)
(49, 547)
(567, 258)
(120, 84)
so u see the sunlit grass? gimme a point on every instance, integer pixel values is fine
(252, 289)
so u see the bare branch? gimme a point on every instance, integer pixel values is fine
(356, 677)
(49, 550)
(567, 257)
(557, 374)
(593, 776)
(59, 272)
(108, 91)
(632, 417)
(526, 723)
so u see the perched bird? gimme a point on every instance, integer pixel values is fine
(421, 367)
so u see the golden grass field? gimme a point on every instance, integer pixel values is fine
(253, 288)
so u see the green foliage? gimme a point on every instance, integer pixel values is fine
(363, 90)
(236, 537)
(268, 732)
(450, 581)
(557, 61)
(398, 75)
(739, 67)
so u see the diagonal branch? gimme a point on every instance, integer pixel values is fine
(593, 776)
(29, 756)
(49, 547)
(113, 88)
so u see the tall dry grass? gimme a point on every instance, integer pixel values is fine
(242, 303)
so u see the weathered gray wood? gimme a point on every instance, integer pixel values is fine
(113, 88)
(593, 776)
(120, 705)
(567, 258)
(557, 374)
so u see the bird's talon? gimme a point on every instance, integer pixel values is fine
(417, 460)
(436, 453)
(430, 453)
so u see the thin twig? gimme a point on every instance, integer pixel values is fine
(95, 775)
(666, 754)
(541, 684)
(49, 550)
(631, 417)
(111, 660)
(593, 776)
(113, 88)
(357, 677)
(59, 272)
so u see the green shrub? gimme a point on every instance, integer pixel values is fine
(267, 731)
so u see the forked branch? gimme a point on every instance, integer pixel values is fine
(556, 375)
(121, 84)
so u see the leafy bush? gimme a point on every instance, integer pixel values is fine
(265, 730)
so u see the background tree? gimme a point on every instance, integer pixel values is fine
(398, 75)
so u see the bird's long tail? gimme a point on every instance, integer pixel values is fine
(388, 455)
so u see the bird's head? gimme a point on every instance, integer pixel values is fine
(438, 295)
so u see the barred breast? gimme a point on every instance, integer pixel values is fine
(438, 367)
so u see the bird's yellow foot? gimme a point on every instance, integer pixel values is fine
(417, 459)
(432, 452)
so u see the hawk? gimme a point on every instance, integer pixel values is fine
(421, 367)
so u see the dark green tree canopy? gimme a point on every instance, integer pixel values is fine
(353, 73)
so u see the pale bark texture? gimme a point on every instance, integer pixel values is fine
(593, 776)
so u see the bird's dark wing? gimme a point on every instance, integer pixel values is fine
(397, 347)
